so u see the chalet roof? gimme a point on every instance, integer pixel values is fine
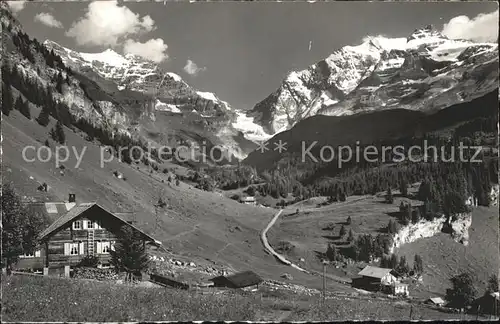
(50, 210)
(374, 272)
(79, 209)
(242, 279)
(248, 198)
(437, 300)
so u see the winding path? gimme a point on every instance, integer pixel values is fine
(267, 246)
(282, 259)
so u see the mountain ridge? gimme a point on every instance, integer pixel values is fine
(170, 92)
(425, 71)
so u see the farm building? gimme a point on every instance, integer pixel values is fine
(77, 230)
(400, 289)
(438, 301)
(237, 280)
(248, 200)
(375, 279)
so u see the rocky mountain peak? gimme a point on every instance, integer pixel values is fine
(428, 32)
(425, 71)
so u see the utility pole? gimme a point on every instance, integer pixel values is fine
(324, 281)
(411, 311)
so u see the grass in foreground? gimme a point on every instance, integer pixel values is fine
(27, 298)
(33, 298)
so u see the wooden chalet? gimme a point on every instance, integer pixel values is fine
(436, 301)
(374, 279)
(237, 280)
(77, 231)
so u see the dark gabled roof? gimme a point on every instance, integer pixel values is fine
(242, 279)
(79, 209)
(66, 218)
(51, 211)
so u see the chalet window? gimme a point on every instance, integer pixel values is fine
(77, 225)
(103, 247)
(35, 254)
(90, 224)
(106, 247)
(28, 255)
(74, 249)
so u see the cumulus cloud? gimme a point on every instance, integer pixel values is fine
(192, 68)
(153, 50)
(105, 23)
(48, 20)
(16, 6)
(482, 28)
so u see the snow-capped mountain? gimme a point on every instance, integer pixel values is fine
(134, 73)
(172, 93)
(425, 71)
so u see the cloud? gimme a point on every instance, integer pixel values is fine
(192, 68)
(153, 50)
(16, 6)
(482, 28)
(48, 20)
(105, 23)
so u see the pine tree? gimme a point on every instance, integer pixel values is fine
(385, 262)
(418, 265)
(391, 227)
(407, 215)
(350, 237)
(25, 109)
(332, 253)
(403, 188)
(343, 231)
(388, 197)
(43, 118)
(57, 133)
(416, 216)
(403, 267)
(19, 104)
(349, 220)
(7, 100)
(129, 254)
(393, 261)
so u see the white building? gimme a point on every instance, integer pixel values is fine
(249, 200)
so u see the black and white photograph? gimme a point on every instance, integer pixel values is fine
(258, 161)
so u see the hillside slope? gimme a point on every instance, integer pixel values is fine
(205, 227)
(370, 128)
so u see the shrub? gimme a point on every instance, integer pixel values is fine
(90, 261)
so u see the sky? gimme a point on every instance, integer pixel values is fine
(242, 51)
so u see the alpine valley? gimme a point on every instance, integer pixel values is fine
(305, 240)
